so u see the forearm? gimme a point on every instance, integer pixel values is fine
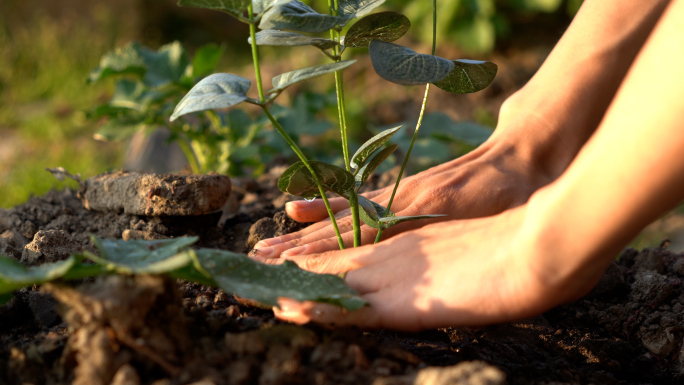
(629, 173)
(558, 110)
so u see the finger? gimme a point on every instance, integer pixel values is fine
(325, 240)
(385, 310)
(273, 247)
(305, 312)
(314, 211)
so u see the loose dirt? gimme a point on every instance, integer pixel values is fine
(151, 330)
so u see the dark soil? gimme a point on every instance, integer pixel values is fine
(144, 330)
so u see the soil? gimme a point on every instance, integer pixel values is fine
(152, 330)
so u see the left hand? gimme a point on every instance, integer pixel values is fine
(467, 272)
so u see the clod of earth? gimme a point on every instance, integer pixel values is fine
(155, 195)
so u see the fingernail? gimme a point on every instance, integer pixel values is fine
(295, 251)
(268, 242)
(263, 252)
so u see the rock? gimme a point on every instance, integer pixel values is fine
(628, 256)
(263, 228)
(650, 288)
(28, 229)
(154, 195)
(649, 260)
(660, 342)
(127, 235)
(465, 373)
(126, 375)
(266, 228)
(50, 246)
(12, 244)
(678, 266)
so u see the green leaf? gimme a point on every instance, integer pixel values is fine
(166, 65)
(276, 37)
(371, 213)
(427, 151)
(142, 257)
(297, 180)
(404, 66)
(261, 6)
(537, 5)
(244, 277)
(128, 94)
(441, 126)
(117, 129)
(233, 7)
(373, 144)
(384, 26)
(285, 80)
(297, 16)
(14, 275)
(364, 172)
(392, 221)
(121, 61)
(156, 68)
(206, 59)
(468, 76)
(358, 8)
(302, 118)
(214, 91)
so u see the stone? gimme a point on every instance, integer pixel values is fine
(156, 195)
(50, 246)
(12, 244)
(650, 288)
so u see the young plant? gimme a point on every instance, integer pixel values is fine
(149, 84)
(235, 273)
(376, 32)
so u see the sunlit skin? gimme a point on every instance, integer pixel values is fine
(584, 156)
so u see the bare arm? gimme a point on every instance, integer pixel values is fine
(541, 128)
(548, 251)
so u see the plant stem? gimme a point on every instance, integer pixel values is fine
(304, 160)
(341, 110)
(420, 119)
(255, 54)
(190, 156)
(279, 128)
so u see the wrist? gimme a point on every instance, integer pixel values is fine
(568, 249)
(539, 136)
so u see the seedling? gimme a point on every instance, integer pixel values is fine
(287, 23)
(235, 273)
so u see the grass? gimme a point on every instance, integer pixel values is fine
(43, 96)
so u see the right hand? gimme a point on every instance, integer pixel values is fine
(487, 181)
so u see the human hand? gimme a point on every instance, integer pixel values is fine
(468, 272)
(493, 178)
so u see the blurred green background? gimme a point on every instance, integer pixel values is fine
(48, 48)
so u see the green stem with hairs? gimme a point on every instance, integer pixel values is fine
(304, 160)
(420, 119)
(341, 109)
(281, 131)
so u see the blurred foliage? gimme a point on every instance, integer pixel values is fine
(46, 48)
(475, 25)
(149, 84)
(440, 139)
(42, 94)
